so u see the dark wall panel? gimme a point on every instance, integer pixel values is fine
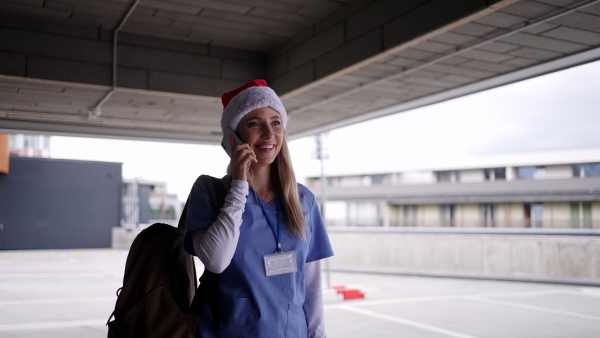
(59, 204)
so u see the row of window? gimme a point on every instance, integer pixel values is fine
(525, 215)
(522, 173)
(452, 176)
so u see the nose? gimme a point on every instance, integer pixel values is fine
(267, 131)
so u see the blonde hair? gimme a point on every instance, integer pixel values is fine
(284, 181)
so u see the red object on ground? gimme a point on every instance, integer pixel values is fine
(349, 293)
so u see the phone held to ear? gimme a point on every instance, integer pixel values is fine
(226, 143)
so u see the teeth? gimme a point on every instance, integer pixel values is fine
(270, 146)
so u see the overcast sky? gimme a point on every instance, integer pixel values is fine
(558, 111)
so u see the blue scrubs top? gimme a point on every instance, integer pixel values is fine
(252, 304)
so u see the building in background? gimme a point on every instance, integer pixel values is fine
(26, 145)
(146, 202)
(539, 191)
(58, 204)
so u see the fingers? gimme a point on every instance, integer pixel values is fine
(242, 157)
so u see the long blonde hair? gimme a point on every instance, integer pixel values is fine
(282, 174)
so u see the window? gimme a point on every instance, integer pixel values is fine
(531, 173)
(586, 169)
(334, 181)
(363, 214)
(448, 176)
(495, 174)
(581, 215)
(381, 179)
(525, 173)
(447, 215)
(488, 213)
(533, 214)
(410, 215)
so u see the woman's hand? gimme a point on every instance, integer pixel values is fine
(242, 157)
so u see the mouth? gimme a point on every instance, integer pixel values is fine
(266, 147)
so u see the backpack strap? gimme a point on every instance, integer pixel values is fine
(183, 217)
(218, 189)
(209, 281)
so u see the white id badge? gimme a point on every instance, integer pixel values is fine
(280, 263)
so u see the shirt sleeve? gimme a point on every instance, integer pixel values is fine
(210, 236)
(319, 245)
(313, 301)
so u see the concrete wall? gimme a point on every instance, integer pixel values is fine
(521, 257)
(122, 238)
(559, 171)
(351, 181)
(475, 175)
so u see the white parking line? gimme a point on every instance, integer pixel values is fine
(531, 307)
(52, 325)
(406, 322)
(590, 292)
(58, 300)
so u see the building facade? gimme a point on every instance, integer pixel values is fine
(146, 202)
(536, 195)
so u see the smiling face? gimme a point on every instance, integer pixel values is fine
(263, 131)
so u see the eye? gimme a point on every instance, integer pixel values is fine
(253, 124)
(277, 123)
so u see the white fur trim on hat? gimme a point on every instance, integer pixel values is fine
(246, 101)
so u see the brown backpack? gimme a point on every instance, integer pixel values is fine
(159, 283)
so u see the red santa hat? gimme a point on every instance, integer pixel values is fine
(253, 95)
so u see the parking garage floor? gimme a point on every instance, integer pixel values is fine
(71, 293)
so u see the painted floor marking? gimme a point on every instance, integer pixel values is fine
(52, 325)
(47, 255)
(78, 254)
(12, 255)
(406, 322)
(531, 307)
(53, 301)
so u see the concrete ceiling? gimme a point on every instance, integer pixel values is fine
(155, 69)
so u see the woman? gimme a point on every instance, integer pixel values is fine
(268, 238)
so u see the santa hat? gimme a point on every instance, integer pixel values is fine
(253, 95)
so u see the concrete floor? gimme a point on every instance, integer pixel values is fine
(71, 293)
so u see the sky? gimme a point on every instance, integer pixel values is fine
(558, 111)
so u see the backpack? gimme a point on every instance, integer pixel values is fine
(159, 284)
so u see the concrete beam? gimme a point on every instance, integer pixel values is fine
(43, 51)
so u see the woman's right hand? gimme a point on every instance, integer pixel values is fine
(242, 157)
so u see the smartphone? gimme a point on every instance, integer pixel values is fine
(226, 143)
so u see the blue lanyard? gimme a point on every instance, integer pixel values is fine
(276, 229)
